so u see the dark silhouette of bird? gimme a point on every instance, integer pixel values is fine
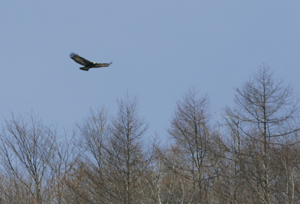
(86, 63)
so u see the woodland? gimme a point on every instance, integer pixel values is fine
(250, 155)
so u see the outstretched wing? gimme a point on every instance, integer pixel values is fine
(78, 59)
(101, 64)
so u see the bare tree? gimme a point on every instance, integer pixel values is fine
(285, 170)
(27, 146)
(195, 154)
(87, 180)
(264, 117)
(115, 164)
(126, 154)
(62, 164)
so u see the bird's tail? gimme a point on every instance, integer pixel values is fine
(84, 68)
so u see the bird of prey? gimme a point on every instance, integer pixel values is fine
(86, 63)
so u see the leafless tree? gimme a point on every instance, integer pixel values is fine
(66, 158)
(87, 180)
(194, 155)
(126, 154)
(114, 167)
(265, 117)
(285, 171)
(27, 147)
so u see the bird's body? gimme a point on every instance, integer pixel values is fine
(87, 64)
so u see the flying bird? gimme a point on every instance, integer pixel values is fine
(86, 63)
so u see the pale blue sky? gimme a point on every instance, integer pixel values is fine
(158, 50)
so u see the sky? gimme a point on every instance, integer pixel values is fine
(159, 49)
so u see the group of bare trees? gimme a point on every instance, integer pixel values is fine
(251, 155)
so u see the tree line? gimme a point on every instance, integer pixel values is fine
(252, 155)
